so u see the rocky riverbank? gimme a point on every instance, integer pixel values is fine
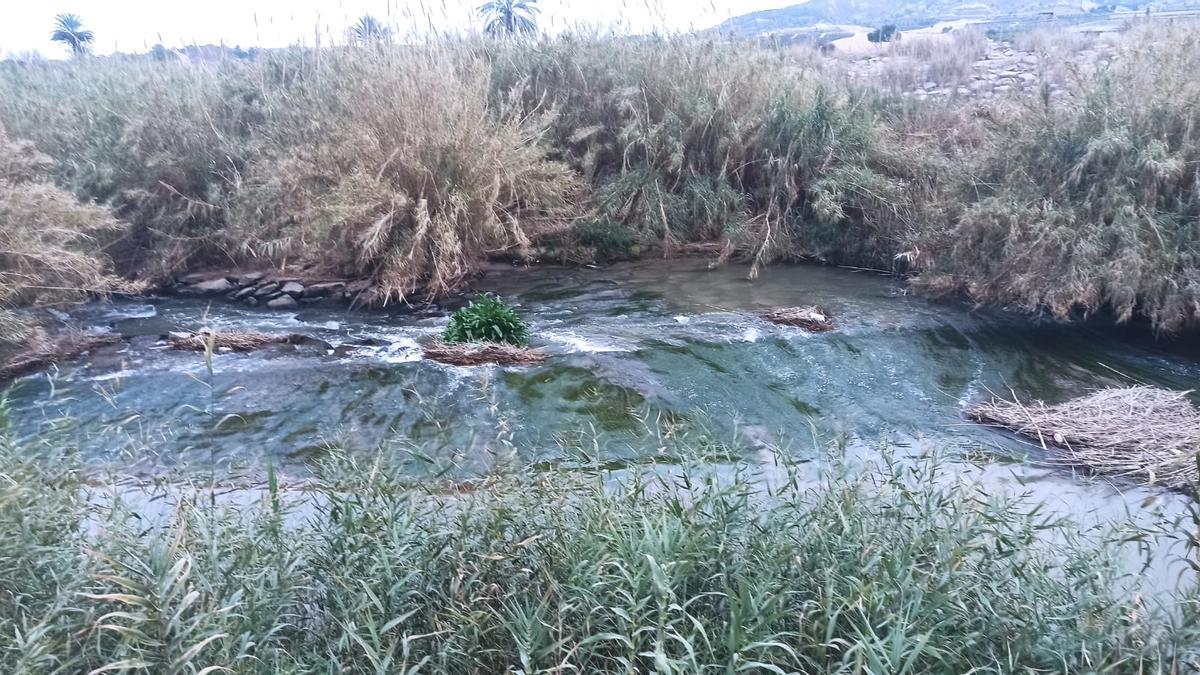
(270, 289)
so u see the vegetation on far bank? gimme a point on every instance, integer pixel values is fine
(409, 164)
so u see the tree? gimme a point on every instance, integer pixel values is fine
(884, 34)
(368, 30)
(69, 30)
(509, 17)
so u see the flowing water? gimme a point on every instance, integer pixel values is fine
(635, 352)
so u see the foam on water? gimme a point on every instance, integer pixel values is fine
(578, 344)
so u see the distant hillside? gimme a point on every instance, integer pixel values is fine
(910, 13)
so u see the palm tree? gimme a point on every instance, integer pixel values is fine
(369, 29)
(69, 30)
(509, 17)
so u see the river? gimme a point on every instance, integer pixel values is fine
(637, 352)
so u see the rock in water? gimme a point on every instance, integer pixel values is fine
(283, 302)
(293, 288)
(210, 287)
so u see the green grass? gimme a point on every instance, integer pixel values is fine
(895, 567)
(487, 319)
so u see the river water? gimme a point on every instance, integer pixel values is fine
(638, 352)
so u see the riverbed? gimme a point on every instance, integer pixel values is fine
(638, 352)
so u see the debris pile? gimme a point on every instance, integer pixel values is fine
(813, 319)
(1152, 435)
(238, 341)
(478, 354)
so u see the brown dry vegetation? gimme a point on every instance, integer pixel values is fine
(480, 354)
(409, 165)
(1143, 433)
(813, 319)
(40, 350)
(238, 341)
(50, 243)
(947, 60)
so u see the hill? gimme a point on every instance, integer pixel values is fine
(908, 14)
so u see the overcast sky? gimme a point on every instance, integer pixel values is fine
(135, 25)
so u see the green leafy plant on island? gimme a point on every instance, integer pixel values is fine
(487, 319)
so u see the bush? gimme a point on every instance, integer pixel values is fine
(885, 33)
(607, 240)
(1088, 204)
(51, 245)
(389, 163)
(487, 319)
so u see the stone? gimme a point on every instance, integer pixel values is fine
(252, 301)
(250, 278)
(282, 302)
(244, 293)
(210, 287)
(195, 278)
(266, 289)
(322, 290)
(293, 288)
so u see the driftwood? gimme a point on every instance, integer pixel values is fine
(238, 341)
(1148, 434)
(813, 319)
(47, 351)
(478, 354)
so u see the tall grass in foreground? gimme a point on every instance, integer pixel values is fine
(896, 568)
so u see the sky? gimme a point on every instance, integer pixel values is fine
(135, 25)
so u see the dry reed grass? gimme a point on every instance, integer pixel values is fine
(50, 243)
(410, 164)
(812, 319)
(238, 341)
(43, 350)
(1144, 433)
(480, 354)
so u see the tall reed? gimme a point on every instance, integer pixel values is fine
(889, 568)
(410, 164)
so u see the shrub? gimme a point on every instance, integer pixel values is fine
(487, 319)
(607, 240)
(885, 33)
(51, 245)
(389, 163)
(161, 144)
(1088, 203)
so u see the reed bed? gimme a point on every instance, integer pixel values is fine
(889, 568)
(1142, 433)
(50, 243)
(409, 164)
